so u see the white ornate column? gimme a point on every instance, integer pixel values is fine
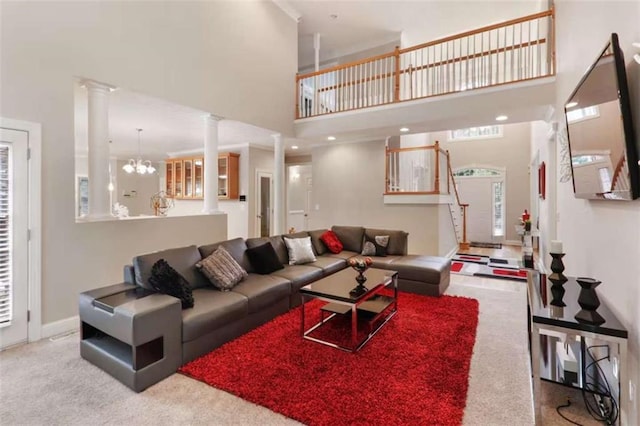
(278, 185)
(211, 164)
(98, 125)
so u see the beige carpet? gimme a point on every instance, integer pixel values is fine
(48, 383)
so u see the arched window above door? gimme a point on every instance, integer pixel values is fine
(477, 172)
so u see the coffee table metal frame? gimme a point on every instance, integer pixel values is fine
(390, 278)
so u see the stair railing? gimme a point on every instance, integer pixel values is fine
(425, 170)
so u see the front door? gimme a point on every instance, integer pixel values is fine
(13, 237)
(483, 190)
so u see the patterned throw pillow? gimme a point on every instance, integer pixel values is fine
(222, 270)
(166, 280)
(376, 246)
(300, 250)
(330, 239)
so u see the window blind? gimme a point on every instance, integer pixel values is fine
(5, 235)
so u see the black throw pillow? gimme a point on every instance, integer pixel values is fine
(375, 246)
(166, 280)
(264, 259)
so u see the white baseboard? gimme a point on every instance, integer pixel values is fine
(55, 328)
(453, 251)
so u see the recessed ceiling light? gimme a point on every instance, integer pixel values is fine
(404, 129)
(294, 146)
(571, 104)
(331, 138)
(501, 118)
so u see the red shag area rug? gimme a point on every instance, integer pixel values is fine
(413, 371)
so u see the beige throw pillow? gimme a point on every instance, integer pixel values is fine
(300, 250)
(222, 270)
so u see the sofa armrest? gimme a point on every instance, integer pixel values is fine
(129, 274)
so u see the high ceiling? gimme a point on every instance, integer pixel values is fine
(347, 27)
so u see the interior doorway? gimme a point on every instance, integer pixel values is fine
(299, 193)
(264, 203)
(14, 239)
(483, 188)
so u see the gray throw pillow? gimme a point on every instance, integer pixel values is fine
(222, 270)
(300, 250)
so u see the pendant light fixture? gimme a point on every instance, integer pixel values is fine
(139, 166)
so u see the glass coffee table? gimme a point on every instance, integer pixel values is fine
(366, 309)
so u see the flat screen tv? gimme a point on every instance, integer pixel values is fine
(602, 142)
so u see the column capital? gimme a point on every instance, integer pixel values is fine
(212, 117)
(96, 85)
(277, 136)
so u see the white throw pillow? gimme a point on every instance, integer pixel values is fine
(300, 250)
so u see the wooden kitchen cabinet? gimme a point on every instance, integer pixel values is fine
(185, 177)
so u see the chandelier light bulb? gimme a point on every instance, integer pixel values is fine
(139, 166)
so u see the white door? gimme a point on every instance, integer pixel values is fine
(264, 204)
(299, 186)
(485, 212)
(14, 248)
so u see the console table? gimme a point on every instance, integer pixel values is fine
(551, 324)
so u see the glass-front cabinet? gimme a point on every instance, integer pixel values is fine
(185, 177)
(177, 178)
(188, 178)
(198, 177)
(228, 176)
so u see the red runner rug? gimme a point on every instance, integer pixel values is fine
(414, 371)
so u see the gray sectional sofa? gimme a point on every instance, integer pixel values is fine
(218, 317)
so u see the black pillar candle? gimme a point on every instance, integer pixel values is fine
(557, 279)
(589, 302)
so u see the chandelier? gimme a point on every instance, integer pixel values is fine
(139, 166)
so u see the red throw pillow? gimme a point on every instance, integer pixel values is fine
(330, 239)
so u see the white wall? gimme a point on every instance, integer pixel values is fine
(601, 238)
(204, 55)
(348, 187)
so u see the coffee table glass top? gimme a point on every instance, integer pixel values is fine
(337, 286)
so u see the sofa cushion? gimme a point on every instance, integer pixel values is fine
(236, 247)
(318, 246)
(421, 268)
(329, 264)
(344, 254)
(276, 242)
(264, 259)
(182, 259)
(263, 290)
(397, 240)
(166, 280)
(350, 237)
(221, 269)
(299, 275)
(385, 262)
(332, 242)
(213, 309)
(299, 234)
(300, 250)
(375, 246)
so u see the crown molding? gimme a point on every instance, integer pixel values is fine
(288, 9)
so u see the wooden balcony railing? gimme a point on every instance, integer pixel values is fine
(516, 50)
(425, 170)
